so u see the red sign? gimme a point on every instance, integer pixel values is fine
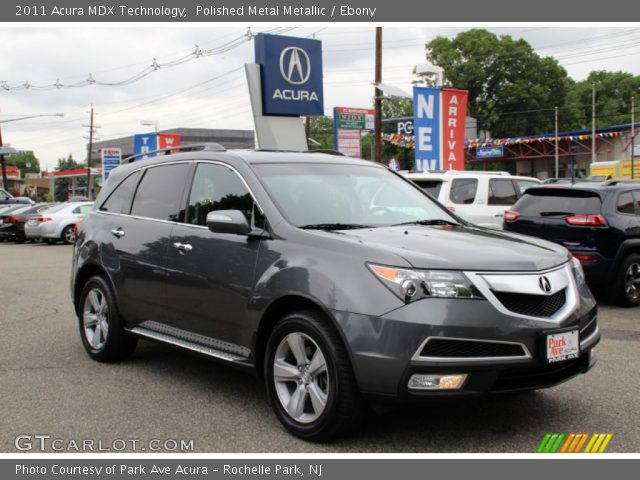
(454, 114)
(167, 140)
(349, 142)
(12, 171)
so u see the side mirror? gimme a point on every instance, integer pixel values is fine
(228, 221)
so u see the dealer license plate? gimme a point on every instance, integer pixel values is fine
(562, 346)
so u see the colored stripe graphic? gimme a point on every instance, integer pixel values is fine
(574, 442)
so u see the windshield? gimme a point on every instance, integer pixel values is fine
(347, 195)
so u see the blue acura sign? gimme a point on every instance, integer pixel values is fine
(291, 71)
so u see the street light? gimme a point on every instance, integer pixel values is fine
(428, 69)
(151, 123)
(2, 154)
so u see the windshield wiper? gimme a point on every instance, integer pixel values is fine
(334, 226)
(555, 214)
(433, 221)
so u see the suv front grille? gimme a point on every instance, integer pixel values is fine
(533, 305)
(449, 348)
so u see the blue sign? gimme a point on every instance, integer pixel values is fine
(111, 158)
(490, 152)
(144, 142)
(291, 72)
(426, 128)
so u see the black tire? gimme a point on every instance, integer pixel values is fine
(21, 239)
(117, 344)
(68, 235)
(345, 408)
(625, 289)
(51, 241)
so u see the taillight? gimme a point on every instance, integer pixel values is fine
(511, 216)
(11, 220)
(586, 220)
(76, 228)
(584, 258)
(44, 219)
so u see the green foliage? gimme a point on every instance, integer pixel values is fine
(62, 185)
(321, 130)
(397, 107)
(502, 75)
(21, 160)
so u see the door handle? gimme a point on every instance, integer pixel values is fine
(183, 247)
(119, 233)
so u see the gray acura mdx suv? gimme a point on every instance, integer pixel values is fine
(335, 280)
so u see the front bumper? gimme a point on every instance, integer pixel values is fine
(385, 350)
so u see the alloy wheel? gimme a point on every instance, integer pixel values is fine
(95, 318)
(69, 235)
(632, 282)
(301, 377)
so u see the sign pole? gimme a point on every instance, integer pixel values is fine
(557, 153)
(633, 135)
(377, 130)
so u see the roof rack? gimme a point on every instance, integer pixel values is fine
(611, 183)
(197, 147)
(477, 172)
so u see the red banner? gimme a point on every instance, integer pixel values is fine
(167, 140)
(454, 115)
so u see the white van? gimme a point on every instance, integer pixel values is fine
(480, 197)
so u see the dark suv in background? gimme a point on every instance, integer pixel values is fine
(598, 223)
(333, 279)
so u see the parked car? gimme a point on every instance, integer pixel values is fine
(56, 223)
(8, 221)
(476, 196)
(599, 224)
(12, 223)
(333, 279)
(6, 198)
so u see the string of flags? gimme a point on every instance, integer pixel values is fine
(407, 141)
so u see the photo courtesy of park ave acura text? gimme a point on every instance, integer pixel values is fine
(287, 239)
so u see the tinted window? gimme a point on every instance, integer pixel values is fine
(432, 187)
(216, 187)
(160, 191)
(463, 190)
(558, 202)
(625, 203)
(120, 199)
(502, 192)
(524, 184)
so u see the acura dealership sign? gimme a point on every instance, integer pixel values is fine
(291, 70)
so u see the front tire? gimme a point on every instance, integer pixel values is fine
(309, 379)
(625, 290)
(68, 235)
(101, 327)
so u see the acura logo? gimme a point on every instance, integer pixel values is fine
(295, 65)
(545, 284)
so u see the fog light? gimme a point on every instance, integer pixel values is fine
(437, 382)
(592, 354)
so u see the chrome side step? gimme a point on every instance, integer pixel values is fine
(185, 344)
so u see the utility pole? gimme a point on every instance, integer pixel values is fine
(4, 167)
(307, 128)
(90, 150)
(377, 129)
(593, 123)
(557, 153)
(633, 135)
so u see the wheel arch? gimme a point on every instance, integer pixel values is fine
(87, 271)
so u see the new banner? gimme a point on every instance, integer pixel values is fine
(454, 114)
(426, 122)
(111, 158)
(291, 70)
(143, 143)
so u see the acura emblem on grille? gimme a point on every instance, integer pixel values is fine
(544, 284)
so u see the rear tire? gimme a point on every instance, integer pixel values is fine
(625, 290)
(314, 392)
(101, 327)
(51, 241)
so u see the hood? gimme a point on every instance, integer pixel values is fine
(460, 247)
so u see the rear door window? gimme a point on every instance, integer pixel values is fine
(159, 193)
(556, 202)
(463, 190)
(120, 199)
(625, 204)
(502, 192)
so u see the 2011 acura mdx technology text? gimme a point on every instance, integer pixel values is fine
(335, 280)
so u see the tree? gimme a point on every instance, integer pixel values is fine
(321, 131)
(62, 185)
(397, 107)
(512, 90)
(25, 161)
(614, 91)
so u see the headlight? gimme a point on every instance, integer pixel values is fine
(578, 272)
(410, 285)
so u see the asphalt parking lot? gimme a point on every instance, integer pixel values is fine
(50, 386)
